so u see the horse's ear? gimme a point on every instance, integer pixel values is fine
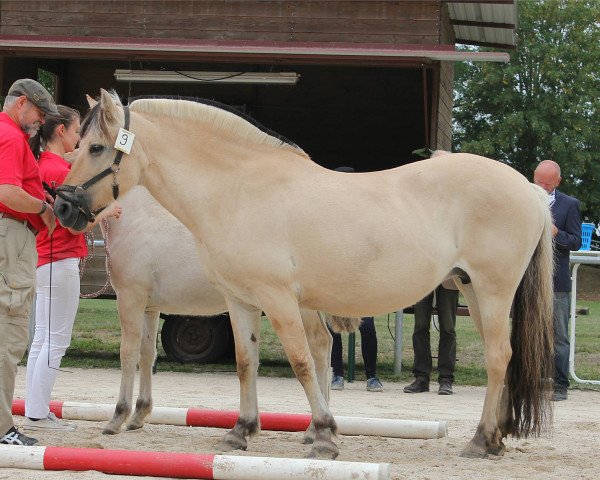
(91, 102)
(71, 156)
(108, 106)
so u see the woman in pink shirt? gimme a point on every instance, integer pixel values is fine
(58, 258)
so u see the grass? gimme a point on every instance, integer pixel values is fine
(96, 337)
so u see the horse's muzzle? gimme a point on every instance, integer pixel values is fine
(69, 214)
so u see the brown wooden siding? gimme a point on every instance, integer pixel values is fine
(446, 85)
(444, 117)
(392, 22)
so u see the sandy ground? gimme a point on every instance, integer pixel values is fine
(570, 452)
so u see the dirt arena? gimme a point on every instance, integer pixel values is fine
(570, 453)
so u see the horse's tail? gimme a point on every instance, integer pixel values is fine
(342, 324)
(532, 341)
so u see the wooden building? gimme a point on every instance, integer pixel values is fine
(371, 81)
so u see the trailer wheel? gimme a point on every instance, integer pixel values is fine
(196, 339)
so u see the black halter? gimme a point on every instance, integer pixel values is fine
(78, 191)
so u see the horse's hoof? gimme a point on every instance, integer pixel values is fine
(309, 437)
(497, 450)
(133, 426)
(473, 451)
(324, 451)
(233, 442)
(109, 431)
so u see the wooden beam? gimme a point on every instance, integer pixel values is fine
(487, 2)
(471, 23)
(464, 41)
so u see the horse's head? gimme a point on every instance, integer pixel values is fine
(96, 176)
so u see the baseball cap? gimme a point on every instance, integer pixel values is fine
(35, 93)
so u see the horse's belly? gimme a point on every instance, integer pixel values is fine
(373, 295)
(188, 299)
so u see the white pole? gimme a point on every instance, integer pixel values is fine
(380, 427)
(385, 427)
(263, 468)
(290, 422)
(186, 465)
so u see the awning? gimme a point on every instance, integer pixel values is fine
(488, 23)
(235, 51)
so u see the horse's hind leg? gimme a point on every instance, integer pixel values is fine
(245, 323)
(131, 317)
(284, 314)
(143, 405)
(493, 311)
(319, 342)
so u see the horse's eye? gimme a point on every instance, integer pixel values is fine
(96, 149)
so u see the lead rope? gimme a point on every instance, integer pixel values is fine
(108, 263)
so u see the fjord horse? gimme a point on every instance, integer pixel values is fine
(276, 232)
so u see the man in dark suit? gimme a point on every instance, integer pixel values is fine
(566, 231)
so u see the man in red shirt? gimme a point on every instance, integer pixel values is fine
(23, 212)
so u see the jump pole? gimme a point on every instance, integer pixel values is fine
(185, 465)
(284, 422)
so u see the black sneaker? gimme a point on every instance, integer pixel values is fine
(560, 394)
(420, 385)
(445, 386)
(14, 437)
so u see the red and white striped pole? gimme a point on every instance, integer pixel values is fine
(285, 422)
(185, 465)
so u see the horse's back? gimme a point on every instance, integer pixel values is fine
(418, 224)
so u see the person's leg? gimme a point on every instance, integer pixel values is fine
(562, 307)
(18, 258)
(61, 309)
(39, 332)
(337, 364)
(447, 303)
(368, 346)
(13, 344)
(421, 346)
(336, 355)
(421, 338)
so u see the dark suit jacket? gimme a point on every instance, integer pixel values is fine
(567, 218)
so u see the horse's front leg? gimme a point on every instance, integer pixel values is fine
(131, 317)
(284, 314)
(143, 405)
(245, 323)
(488, 437)
(319, 341)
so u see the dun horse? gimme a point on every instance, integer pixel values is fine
(276, 232)
(155, 268)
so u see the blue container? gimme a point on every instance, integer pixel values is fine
(586, 235)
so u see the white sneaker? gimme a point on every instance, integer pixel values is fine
(50, 423)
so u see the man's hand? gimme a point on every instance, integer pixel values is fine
(49, 219)
(49, 198)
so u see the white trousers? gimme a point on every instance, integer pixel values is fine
(54, 318)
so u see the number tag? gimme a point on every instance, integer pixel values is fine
(124, 140)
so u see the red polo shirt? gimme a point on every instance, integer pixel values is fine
(18, 167)
(53, 170)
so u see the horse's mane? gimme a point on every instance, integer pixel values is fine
(217, 114)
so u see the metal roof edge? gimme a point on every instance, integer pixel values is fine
(287, 49)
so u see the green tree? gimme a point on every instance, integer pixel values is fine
(544, 102)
